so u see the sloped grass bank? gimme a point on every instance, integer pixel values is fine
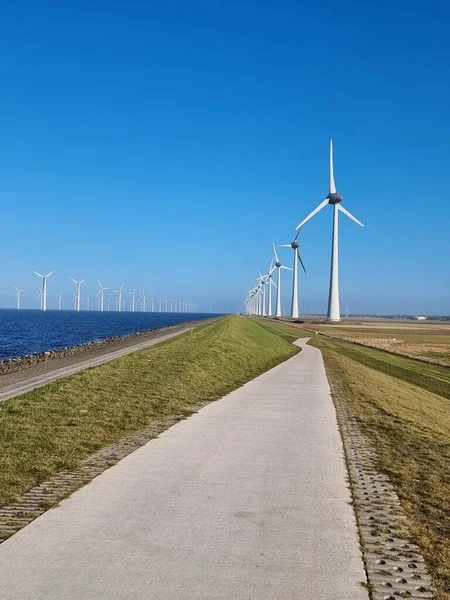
(55, 427)
(409, 426)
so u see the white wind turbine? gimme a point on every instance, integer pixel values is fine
(108, 301)
(59, 296)
(78, 293)
(295, 246)
(334, 199)
(278, 266)
(133, 293)
(44, 288)
(18, 296)
(144, 301)
(271, 283)
(101, 293)
(88, 302)
(119, 298)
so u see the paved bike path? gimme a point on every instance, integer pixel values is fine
(246, 500)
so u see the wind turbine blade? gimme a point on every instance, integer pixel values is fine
(98, 281)
(83, 280)
(273, 283)
(38, 274)
(73, 280)
(284, 246)
(314, 212)
(17, 289)
(275, 252)
(287, 268)
(349, 215)
(300, 259)
(332, 184)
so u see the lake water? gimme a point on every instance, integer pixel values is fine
(30, 331)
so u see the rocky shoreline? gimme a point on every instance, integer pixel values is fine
(10, 365)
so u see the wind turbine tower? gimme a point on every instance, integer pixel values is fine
(119, 298)
(101, 293)
(279, 266)
(333, 198)
(44, 288)
(295, 246)
(18, 296)
(78, 293)
(59, 296)
(133, 293)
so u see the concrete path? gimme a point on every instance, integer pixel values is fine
(246, 500)
(31, 383)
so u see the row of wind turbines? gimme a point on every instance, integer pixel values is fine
(256, 302)
(143, 303)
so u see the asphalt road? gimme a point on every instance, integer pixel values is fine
(246, 500)
(27, 384)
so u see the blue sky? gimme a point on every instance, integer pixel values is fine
(166, 144)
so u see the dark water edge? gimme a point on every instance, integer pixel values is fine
(31, 331)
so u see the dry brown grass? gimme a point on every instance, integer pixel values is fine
(410, 428)
(426, 342)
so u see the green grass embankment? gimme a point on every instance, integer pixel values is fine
(57, 426)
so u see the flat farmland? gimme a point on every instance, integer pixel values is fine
(427, 341)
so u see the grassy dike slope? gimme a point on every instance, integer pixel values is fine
(56, 426)
(403, 405)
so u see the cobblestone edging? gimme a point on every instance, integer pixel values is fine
(394, 566)
(11, 365)
(40, 498)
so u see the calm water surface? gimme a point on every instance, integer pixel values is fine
(29, 331)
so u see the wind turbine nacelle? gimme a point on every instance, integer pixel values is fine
(295, 244)
(334, 198)
(278, 264)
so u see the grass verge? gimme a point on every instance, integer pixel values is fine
(407, 416)
(55, 427)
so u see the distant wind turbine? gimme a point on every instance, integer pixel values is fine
(271, 283)
(101, 293)
(59, 296)
(279, 266)
(295, 246)
(78, 292)
(44, 288)
(18, 296)
(88, 302)
(144, 301)
(333, 198)
(133, 293)
(119, 298)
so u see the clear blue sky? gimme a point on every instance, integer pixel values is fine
(165, 144)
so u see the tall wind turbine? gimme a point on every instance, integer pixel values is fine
(78, 293)
(44, 288)
(295, 246)
(18, 296)
(133, 293)
(119, 298)
(333, 198)
(279, 266)
(88, 302)
(59, 296)
(101, 293)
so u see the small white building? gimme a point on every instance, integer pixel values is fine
(421, 318)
